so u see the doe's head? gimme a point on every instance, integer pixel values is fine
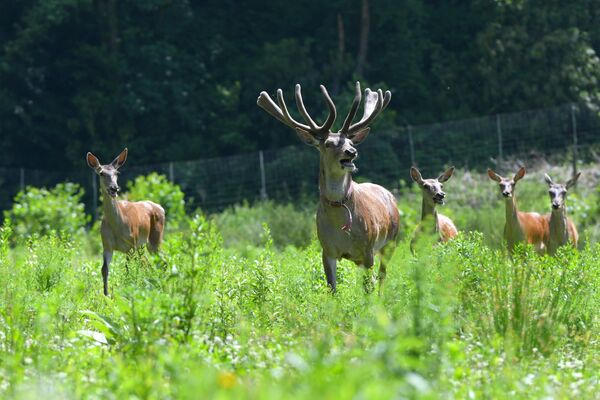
(558, 192)
(433, 189)
(108, 173)
(507, 185)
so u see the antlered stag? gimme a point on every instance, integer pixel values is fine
(354, 221)
(561, 230)
(520, 227)
(125, 225)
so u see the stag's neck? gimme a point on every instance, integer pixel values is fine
(333, 187)
(429, 213)
(110, 206)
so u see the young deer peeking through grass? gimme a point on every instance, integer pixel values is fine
(433, 194)
(561, 229)
(125, 225)
(520, 227)
(354, 221)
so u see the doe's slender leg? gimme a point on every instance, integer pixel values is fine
(107, 255)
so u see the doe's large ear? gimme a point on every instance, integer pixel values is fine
(361, 135)
(307, 137)
(572, 181)
(446, 175)
(494, 176)
(520, 174)
(92, 161)
(120, 160)
(548, 180)
(415, 174)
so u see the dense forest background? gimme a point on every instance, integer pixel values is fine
(177, 79)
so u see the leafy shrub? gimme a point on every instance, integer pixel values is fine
(41, 211)
(242, 225)
(159, 189)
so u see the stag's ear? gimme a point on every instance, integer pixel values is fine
(307, 137)
(415, 174)
(572, 181)
(446, 175)
(120, 160)
(361, 135)
(520, 174)
(548, 180)
(494, 176)
(92, 161)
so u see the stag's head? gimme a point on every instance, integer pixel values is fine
(558, 192)
(337, 149)
(507, 185)
(108, 173)
(433, 189)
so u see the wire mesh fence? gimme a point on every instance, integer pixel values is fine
(385, 157)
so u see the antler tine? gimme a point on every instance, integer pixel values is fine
(332, 112)
(353, 110)
(266, 103)
(302, 109)
(375, 102)
(291, 122)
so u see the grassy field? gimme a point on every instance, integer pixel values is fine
(224, 314)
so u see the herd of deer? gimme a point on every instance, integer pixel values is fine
(354, 220)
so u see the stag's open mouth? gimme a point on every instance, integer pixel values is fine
(112, 192)
(437, 200)
(347, 163)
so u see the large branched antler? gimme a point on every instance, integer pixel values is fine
(375, 103)
(280, 112)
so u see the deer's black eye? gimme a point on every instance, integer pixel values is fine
(101, 173)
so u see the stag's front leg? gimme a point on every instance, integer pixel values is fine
(330, 267)
(107, 256)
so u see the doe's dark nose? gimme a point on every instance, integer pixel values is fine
(350, 152)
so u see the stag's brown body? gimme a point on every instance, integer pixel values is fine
(354, 221)
(375, 223)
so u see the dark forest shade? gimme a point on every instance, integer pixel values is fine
(178, 80)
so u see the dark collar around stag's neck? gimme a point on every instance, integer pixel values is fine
(342, 203)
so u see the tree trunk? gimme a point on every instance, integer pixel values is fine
(340, 54)
(364, 38)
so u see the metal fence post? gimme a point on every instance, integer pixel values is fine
(171, 172)
(22, 179)
(263, 181)
(499, 131)
(574, 132)
(411, 146)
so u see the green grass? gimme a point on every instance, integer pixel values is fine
(214, 318)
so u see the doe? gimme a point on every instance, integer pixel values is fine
(125, 225)
(561, 229)
(433, 194)
(354, 221)
(520, 227)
